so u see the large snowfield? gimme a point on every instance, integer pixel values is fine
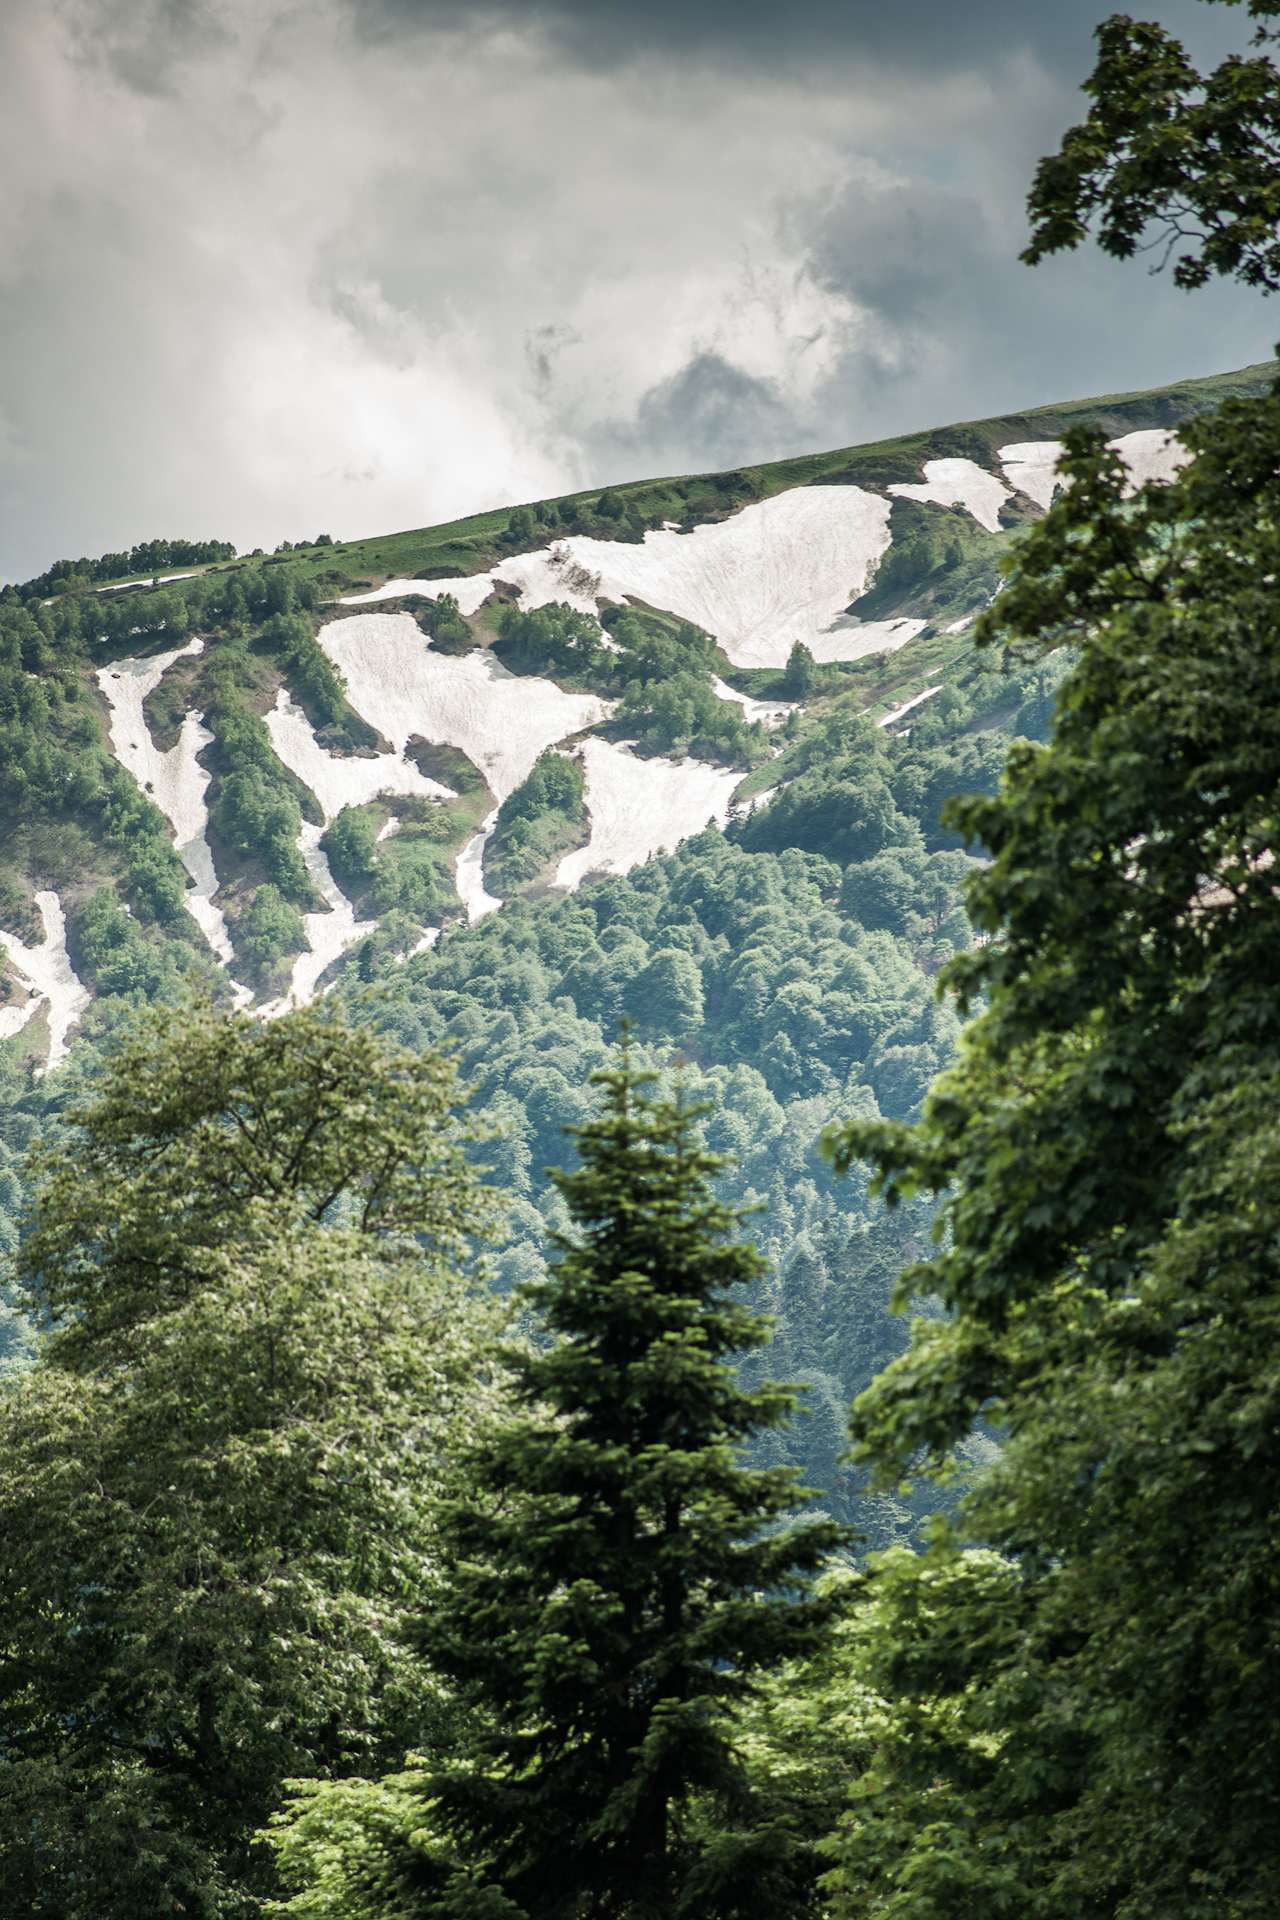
(174, 780)
(638, 806)
(783, 569)
(470, 701)
(779, 571)
(338, 781)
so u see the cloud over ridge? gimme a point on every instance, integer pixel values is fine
(271, 269)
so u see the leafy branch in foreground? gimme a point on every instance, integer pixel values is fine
(1107, 1149)
(1170, 157)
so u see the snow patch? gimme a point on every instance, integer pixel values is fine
(1151, 453)
(46, 972)
(767, 710)
(470, 701)
(891, 719)
(1031, 467)
(960, 483)
(779, 571)
(335, 780)
(470, 873)
(174, 780)
(852, 639)
(637, 806)
(329, 934)
(470, 593)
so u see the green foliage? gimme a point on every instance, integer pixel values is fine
(64, 796)
(113, 957)
(351, 843)
(664, 671)
(555, 640)
(151, 556)
(212, 1496)
(1170, 155)
(606, 1591)
(903, 891)
(407, 885)
(444, 621)
(543, 817)
(683, 714)
(520, 524)
(1107, 1147)
(841, 804)
(270, 930)
(667, 993)
(158, 880)
(256, 807)
(255, 816)
(797, 681)
(660, 668)
(316, 682)
(18, 912)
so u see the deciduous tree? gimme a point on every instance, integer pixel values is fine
(214, 1483)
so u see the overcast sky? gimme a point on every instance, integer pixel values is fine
(270, 268)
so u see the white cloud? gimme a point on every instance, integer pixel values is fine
(264, 275)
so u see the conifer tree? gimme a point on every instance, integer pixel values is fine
(611, 1575)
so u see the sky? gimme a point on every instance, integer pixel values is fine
(274, 268)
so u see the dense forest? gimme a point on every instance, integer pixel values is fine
(392, 1529)
(790, 961)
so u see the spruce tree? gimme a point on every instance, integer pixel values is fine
(613, 1575)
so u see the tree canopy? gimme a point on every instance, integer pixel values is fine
(214, 1481)
(1170, 157)
(612, 1576)
(1085, 1725)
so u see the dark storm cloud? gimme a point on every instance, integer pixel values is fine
(921, 36)
(709, 414)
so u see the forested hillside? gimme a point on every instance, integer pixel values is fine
(230, 775)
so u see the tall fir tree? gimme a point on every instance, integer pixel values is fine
(612, 1576)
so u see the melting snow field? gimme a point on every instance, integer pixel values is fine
(174, 780)
(1031, 467)
(336, 781)
(892, 718)
(1150, 454)
(470, 873)
(46, 971)
(779, 571)
(637, 806)
(330, 934)
(766, 710)
(501, 722)
(962, 483)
